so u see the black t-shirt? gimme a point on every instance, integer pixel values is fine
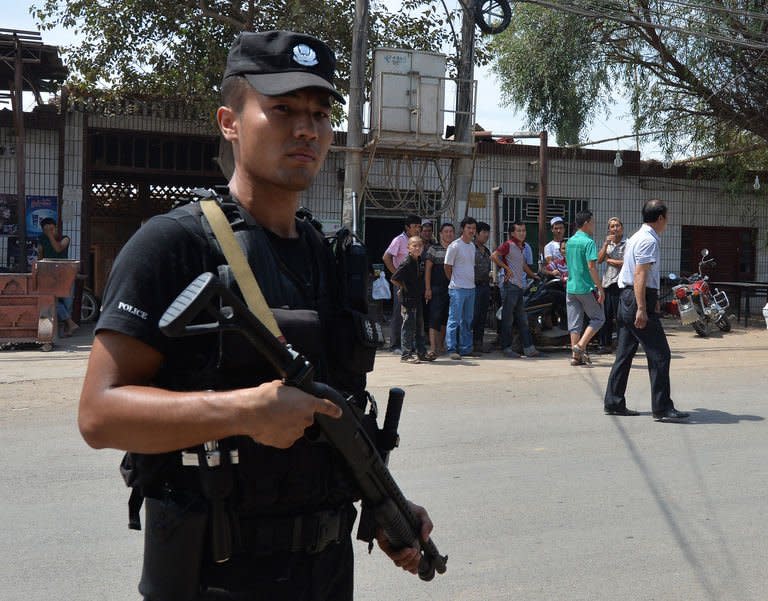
(167, 253)
(295, 257)
(153, 267)
(410, 273)
(439, 281)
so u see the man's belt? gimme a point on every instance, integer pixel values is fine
(308, 533)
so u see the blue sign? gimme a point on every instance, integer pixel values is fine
(38, 208)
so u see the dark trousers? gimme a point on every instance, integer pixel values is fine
(396, 323)
(656, 349)
(513, 314)
(326, 576)
(412, 333)
(482, 298)
(611, 305)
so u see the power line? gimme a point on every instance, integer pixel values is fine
(609, 10)
(663, 10)
(614, 139)
(595, 14)
(721, 9)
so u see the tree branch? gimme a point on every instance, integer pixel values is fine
(207, 11)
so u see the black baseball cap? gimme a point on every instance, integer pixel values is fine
(277, 62)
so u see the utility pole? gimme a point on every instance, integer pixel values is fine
(17, 105)
(353, 162)
(543, 168)
(462, 167)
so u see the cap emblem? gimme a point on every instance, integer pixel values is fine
(304, 55)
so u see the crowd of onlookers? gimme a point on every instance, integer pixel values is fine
(443, 283)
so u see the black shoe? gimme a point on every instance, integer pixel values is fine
(620, 411)
(670, 413)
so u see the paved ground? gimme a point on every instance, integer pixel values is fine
(536, 495)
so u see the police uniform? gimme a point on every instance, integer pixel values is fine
(288, 512)
(641, 249)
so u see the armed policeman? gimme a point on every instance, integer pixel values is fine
(263, 509)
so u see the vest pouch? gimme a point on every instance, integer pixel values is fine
(140, 470)
(358, 337)
(302, 330)
(174, 538)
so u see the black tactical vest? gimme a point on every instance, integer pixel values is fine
(309, 476)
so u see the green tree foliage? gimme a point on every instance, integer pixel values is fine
(177, 48)
(696, 72)
(547, 62)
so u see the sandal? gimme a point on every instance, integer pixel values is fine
(580, 356)
(430, 356)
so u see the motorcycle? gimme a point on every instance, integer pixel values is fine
(544, 304)
(697, 305)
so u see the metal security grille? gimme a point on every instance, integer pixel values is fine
(124, 200)
(163, 198)
(526, 209)
(42, 158)
(113, 199)
(118, 152)
(385, 201)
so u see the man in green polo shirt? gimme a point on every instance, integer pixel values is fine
(584, 289)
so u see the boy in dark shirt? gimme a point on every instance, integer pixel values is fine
(409, 278)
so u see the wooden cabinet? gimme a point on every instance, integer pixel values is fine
(28, 301)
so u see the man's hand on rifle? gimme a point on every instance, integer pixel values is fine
(407, 558)
(277, 415)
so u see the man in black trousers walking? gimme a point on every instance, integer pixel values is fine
(638, 319)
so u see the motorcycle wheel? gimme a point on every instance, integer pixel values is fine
(724, 324)
(701, 327)
(89, 307)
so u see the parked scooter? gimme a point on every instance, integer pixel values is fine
(696, 303)
(544, 302)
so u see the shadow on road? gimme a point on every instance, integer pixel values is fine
(714, 416)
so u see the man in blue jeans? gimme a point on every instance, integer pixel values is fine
(511, 259)
(460, 270)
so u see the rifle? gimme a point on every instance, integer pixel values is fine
(347, 434)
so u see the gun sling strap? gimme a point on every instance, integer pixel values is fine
(239, 265)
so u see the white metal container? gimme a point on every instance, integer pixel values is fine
(408, 94)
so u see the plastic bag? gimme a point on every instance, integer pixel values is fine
(380, 289)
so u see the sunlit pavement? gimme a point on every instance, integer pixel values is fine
(535, 493)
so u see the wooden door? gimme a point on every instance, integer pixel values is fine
(733, 249)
